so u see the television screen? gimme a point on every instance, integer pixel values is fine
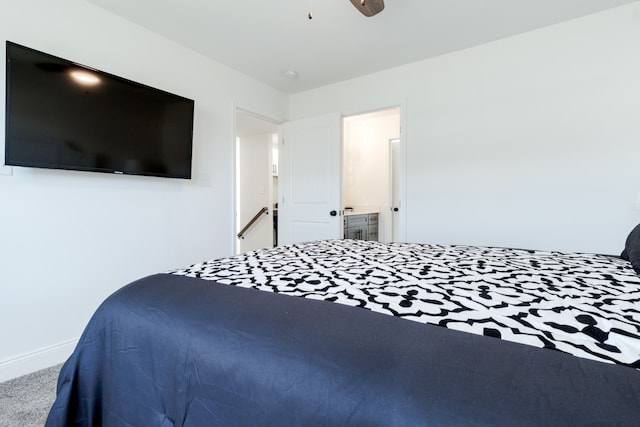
(62, 115)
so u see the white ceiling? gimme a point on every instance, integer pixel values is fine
(265, 38)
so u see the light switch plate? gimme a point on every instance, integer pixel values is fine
(204, 179)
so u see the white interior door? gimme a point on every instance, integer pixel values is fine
(309, 203)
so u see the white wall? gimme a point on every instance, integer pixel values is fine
(531, 141)
(69, 239)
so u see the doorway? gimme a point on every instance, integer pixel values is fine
(371, 169)
(256, 182)
(327, 164)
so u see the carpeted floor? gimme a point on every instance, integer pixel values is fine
(25, 401)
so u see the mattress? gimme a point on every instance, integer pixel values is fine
(587, 305)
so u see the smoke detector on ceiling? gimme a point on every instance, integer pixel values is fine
(290, 74)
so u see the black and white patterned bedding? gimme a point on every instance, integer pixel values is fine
(583, 304)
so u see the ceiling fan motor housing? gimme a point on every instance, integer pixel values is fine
(368, 7)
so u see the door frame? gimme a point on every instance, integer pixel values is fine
(402, 173)
(234, 161)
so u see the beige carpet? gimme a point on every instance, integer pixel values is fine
(25, 401)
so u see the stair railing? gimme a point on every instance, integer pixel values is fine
(256, 217)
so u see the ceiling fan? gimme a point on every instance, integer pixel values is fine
(368, 7)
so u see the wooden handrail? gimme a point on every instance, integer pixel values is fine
(254, 219)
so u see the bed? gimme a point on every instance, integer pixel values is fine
(349, 332)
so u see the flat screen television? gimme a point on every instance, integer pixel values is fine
(63, 115)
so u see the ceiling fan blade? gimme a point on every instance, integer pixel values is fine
(370, 7)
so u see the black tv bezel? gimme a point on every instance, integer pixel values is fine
(56, 166)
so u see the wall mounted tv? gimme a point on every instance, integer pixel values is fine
(62, 115)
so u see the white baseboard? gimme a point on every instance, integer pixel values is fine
(36, 360)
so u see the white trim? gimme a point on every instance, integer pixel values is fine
(258, 115)
(402, 237)
(36, 360)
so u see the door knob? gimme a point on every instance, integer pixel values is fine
(395, 209)
(333, 213)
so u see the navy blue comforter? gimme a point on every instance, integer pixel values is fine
(171, 350)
